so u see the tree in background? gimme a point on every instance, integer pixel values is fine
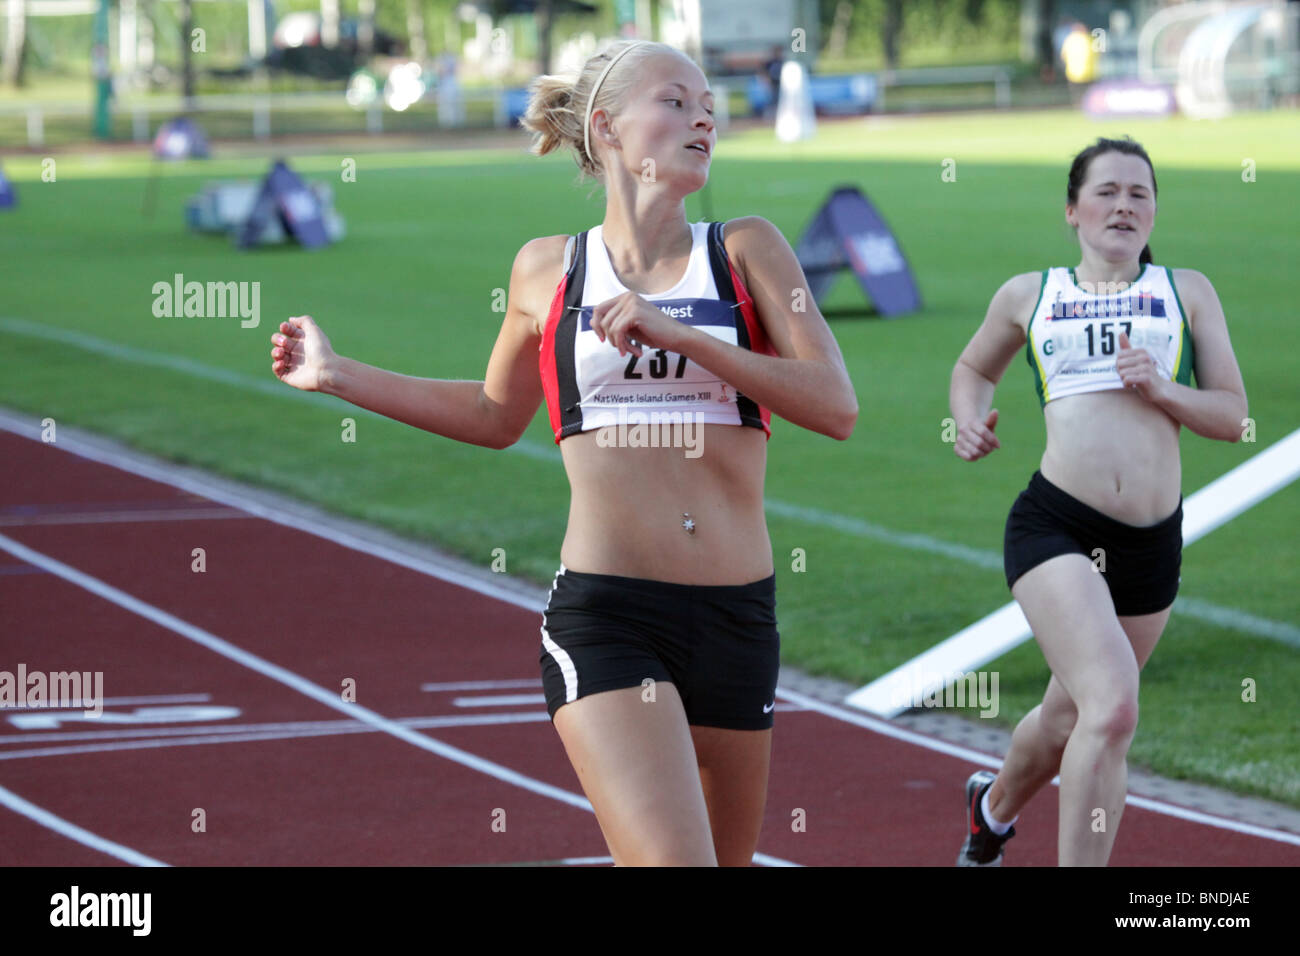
(415, 28)
(889, 34)
(187, 53)
(867, 29)
(545, 24)
(16, 43)
(1046, 51)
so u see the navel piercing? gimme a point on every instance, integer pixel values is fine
(688, 523)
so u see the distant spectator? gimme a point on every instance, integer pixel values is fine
(773, 66)
(1078, 55)
(451, 105)
(772, 73)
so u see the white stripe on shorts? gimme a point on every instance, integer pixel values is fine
(559, 654)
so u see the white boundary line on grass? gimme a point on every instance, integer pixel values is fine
(276, 389)
(1263, 474)
(161, 473)
(845, 524)
(212, 373)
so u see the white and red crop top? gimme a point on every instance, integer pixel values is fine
(589, 385)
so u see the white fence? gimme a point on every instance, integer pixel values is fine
(261, 109)
(999, 76)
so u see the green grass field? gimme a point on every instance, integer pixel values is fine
(431, 235)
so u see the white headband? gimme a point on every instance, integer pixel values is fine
(591, 101)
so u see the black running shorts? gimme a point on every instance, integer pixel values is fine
(1141, 565)
(716, 644)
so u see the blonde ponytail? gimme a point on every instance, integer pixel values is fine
(558, 105)
(554, 122)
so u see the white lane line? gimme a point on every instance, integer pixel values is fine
(74, 832)
(118, 701)
(288, 677)
(26, 428)
(102, 741)
(565, 861)
(194, 485)
(499, 700)
(481, 685)
(886, 729)
(1197, 816)
(515, 700)
(283, 675)
(23, 425)
(95, 741)
(760, 858)
(231, 737)
(113, 517)
(977, 757)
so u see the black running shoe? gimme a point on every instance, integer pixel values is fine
(983, 847)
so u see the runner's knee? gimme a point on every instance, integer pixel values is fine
(1113, 718)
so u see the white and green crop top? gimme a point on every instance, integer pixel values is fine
(1074, 334)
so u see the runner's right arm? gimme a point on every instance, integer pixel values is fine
(492, 413)
(982, 364)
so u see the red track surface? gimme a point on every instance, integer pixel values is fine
(329, 613)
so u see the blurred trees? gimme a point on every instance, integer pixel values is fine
(15, 53)
(891, 33)
(871, 29)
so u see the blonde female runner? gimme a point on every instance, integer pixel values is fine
(659, 644)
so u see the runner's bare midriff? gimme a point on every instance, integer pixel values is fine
(1115, 452)
(626, 512)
